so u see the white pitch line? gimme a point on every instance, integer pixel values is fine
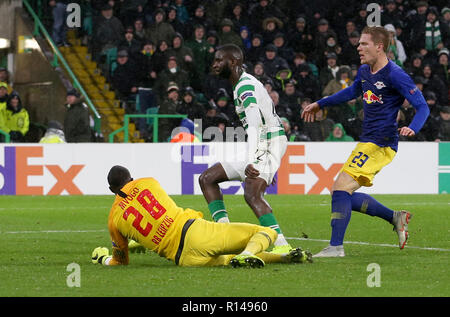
(372, 244)
(290, 238)
(51, 231)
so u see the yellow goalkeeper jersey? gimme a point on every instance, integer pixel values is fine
(149, 216)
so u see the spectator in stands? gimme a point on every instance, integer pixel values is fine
(300, 37)
(203, 54)
(390, 13)
(4, 78)
(292, 99)
(444, 124)
(273, 62)
(160, 30)
(168, 106)
(257, 49)
(281, 109)
(301, 58)
(442, 69)
(338, 134)
(212, 38)
(396, 51)
(435, 84)
(147, 65)
(201, 18)
(239, 17)
(342, 80)
(433, 103)
(182, 12)
(321, 37)
(283, 49)
(350, 53)
(140, 33)
(108, 32)
(361, 18)
(172, 19)
(263, 10)
(320, 129)
(130, 44)
(259, 72)
(59, 27)
(307, 84)
(344, 35)
(17, 118)
(431, 36)
(270, 27)
(3, 103)
(54, 133)
(293, 135)
(182, 52)
(172, 73)
(350, 115)
(76, 121)
(332, 46)
(161, 56)
(244, 33)
(225, 105)
(445, 12)
(329, 72)
(189, 105)
(125, 77)
(414, 67)
(227, 35)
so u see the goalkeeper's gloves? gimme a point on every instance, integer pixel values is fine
(100, 255)
(135, 247)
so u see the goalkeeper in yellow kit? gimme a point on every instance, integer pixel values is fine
(144, 212)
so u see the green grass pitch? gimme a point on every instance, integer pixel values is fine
(40, 236)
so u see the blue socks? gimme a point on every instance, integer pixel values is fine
(341, 211)
(366, 204)
(342, 204)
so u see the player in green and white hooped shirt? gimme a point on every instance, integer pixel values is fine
(266, 145)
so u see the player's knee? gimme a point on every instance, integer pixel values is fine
(270, 233)
(205, 179)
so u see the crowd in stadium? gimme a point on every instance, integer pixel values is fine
(301, 50)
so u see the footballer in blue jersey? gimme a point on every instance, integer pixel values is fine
(384, 86)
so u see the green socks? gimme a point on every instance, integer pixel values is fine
(218, 211)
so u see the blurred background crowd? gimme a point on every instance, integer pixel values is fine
(300, 50)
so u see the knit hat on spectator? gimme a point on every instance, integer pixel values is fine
(445, 10)
(444, 51)
(300, 20)
(445, 109)
(331, 55)
(73, 92)
(226, 22)
(323, 22)
(271, 48)
(421, 4)
(106, 7)
(172, 86)
(122, 53)
(3, 85)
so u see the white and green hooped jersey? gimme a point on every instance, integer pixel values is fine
(251, 92)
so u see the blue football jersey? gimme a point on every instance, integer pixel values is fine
(383, 94)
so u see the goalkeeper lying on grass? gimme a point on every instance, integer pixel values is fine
(144, 213)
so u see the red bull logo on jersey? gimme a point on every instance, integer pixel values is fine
(370, 97)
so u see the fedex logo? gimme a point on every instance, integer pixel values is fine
(16, 171)
(324, 177)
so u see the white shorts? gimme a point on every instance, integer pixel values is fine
(268, 161)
